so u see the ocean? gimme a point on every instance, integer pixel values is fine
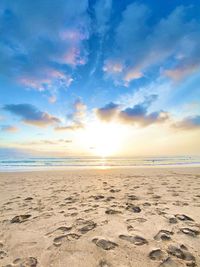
(45, 163)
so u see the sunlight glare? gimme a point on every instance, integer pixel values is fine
(104, 139)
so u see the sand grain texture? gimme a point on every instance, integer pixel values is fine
(100, 218)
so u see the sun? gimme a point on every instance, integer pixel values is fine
(103, 139)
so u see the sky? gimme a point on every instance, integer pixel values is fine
(99, 77)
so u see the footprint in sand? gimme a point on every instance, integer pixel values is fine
(172, 220)
(88, 210)
(28, 199)
(163, 235)
(136, 240)
(169, 263)
(156, 197)
(180, 253)
(175, 194)
(111, 211)
(103, 263)
(130, 228)
(3, 254)
(109, 198)
(90, 225)
(140, 220)
(72, 208)
(133, 208)
(20, 218)
(146, 204)
(191, 264)
(26, 262)
(157, 254)
(190, 232)
(132, 197)
(114, 190)
(183, 217)
(70, 200)
(99, 197)
(69, 237)
(104, 244)
(63, 229)
(73, 214)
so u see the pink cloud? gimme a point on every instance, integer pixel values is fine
(132, 74)
(9, 128)
(113, 67)
(73, 35)
(52, 99)
(47, 80)
(120, 72)
(179, 73)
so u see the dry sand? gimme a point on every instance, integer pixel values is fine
(106, 218)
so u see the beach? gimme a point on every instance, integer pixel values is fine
(120, 217)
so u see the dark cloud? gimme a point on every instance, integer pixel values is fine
(107, 112)
(141, 44)
(136, 115)
(139, 115)
(188, 123)
(42, 41)
(31, 115)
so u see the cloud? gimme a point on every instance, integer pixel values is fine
(31, 115)
(65, 141)
(136, 115)
(132, 75)
(47, 142)
(103, 10)
(9, 128)
(79, 111)
(52, 99)
(188, 123)
(47, 80)
(108, 112)
(139, 115)
(102, 15)
(76, 119)
(180, 72)
(72, 127)
(140, 44)
(41, 42)
(113, 67)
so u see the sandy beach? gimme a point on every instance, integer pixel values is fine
(104, 218)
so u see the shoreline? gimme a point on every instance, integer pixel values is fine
(79, 168)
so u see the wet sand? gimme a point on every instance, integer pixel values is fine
(100, 218)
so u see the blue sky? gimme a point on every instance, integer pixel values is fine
(66, 66)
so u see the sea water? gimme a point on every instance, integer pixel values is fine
(38, 163)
